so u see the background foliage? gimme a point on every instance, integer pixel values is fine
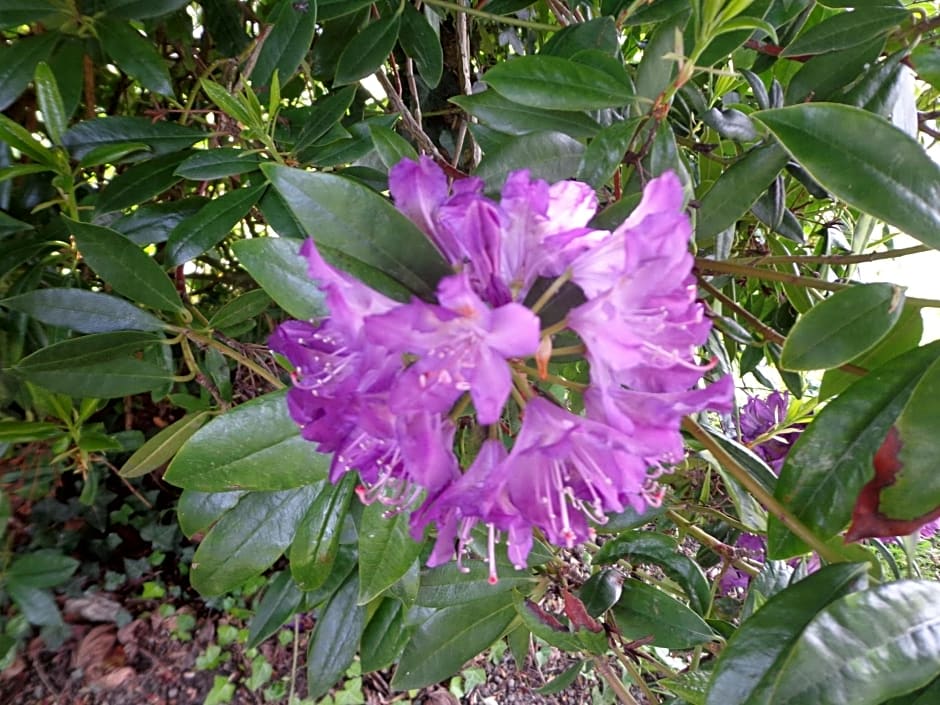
(151, 149)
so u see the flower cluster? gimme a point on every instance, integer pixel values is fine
(384, 385)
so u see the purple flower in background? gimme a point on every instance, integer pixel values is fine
(760, 417)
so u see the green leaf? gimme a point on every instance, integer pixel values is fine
(26, 431)
(517, 119)
(916, 487)
(846, 30)
(197, 511)
(656, 71)
(599, 34)
(832, 460)
(251, 304)
(212, 224)
(926, 60)
(606, 151)
(248, 539)
(126, 267)
(332, 209)
(865, 647)
(280, 602)
(210, 164)
(19, 12)
(54, 116)
(44, 568)
(386, 551)
(866, 161)
(384, 636)
(736, 190)
(552, 156)
(823, 75)
(255, 446)
(331, 9)
(83, 311)
(450, 638)
(663, 551)
(323, 115)
(152, 223)
(368, 50)
(843, 326)
(644, 611)
(160, 449)
(391, 146)
(601, 591)
(235, 106)
(753, 656)
(20, 139)
(135, 55)
(18, 63)
(295, 25)
(142, 9)
(161, 137)
(11, 226)
(447, 584)
(140, 182)
(278, 268)
(342, 567)
(421, 43)
(222, 19)
(553, 83)
(37, 605)
(335, 639)
(317, 542)
(563, 680)
(114, 153)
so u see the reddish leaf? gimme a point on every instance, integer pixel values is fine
(867, 520)
(544, 617)
(578, 615)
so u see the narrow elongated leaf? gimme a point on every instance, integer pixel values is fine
(83, 311)
(256, 446)
(126, 267)
(161, 137)
(606, 151)
(517, 119)
(50, 102)
(241, 308)
(866, 161)
(18, 63)
(656, 71)
(552, 156)
(846, 30)
(20, 139)
(752, 655)
(335, 639)
(142, 9)
(248, 539)
(153, 223)
(822, 76)
(325, 114)
(644, 611)
(16, 12)
(450, 638)
(212, 224)
(847, 324)
(104, 365)
(832, 460)
(209, 164)
(44, 568)
(353, 219)
(161, 448)
(135, 55)
(916, 487)
(391, 146)
(197, 511)
(25, 431)
(141, 182)
(316, 544)
(384, 636)
(11, 226)
(446, 585)
(281, 600)
(421, 43)
(368, 50)
(553, 83)
(286, 46)
(276, 265)
(865, 647)
(386, 551)
(235, 106)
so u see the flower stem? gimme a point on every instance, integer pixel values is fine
(759, 493)
(833, 259)
(615, 683)
(706, 539)
(569, 350)
(547, 295)
(235, 355)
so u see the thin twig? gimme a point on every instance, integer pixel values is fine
(615, 683)
(833, 259)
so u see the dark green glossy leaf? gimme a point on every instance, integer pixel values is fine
(25, 431)
(599, 34)
(160, 449)
(295, 25)
(248, 539)
(135, 55)
(142, 9)
(335, 639)
(103, 366)
(276, 265)
(655, 71)
(248, 305)
(847, 324)
(240, 107)
(517, 119)
(54, 115)
(141, 182)
(562, 681)
(280, 602)
(197, 511)
(752, 658)
(316, 545)
(18, 63)
(323, 115)
(391, 146)
(126, 267)
(736, 190)
(212, 224)
(20, 139)
(926, 60)
(386, 551)
(368, 50)
(209, 164)
(152, 223)
(114, 153)
(865, 161)
(916, 487)
(161, 137)
(553, 83)
(644, 611)
(446, 585)
(552, 156)
(44, 568)
(82, 311)
(661, 550)
(11, 226)
(18, 12)
(421, 43)
(223, 21)
(601, 591)
(255, 446)
(450, 638)
(846, 30)
(331, 9)
(384, 637)
(832, 460)
(823, 75)
(606, 151)
(865, 647)
(332, 209)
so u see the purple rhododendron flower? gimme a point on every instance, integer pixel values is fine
(761, 416)
(384, 385)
